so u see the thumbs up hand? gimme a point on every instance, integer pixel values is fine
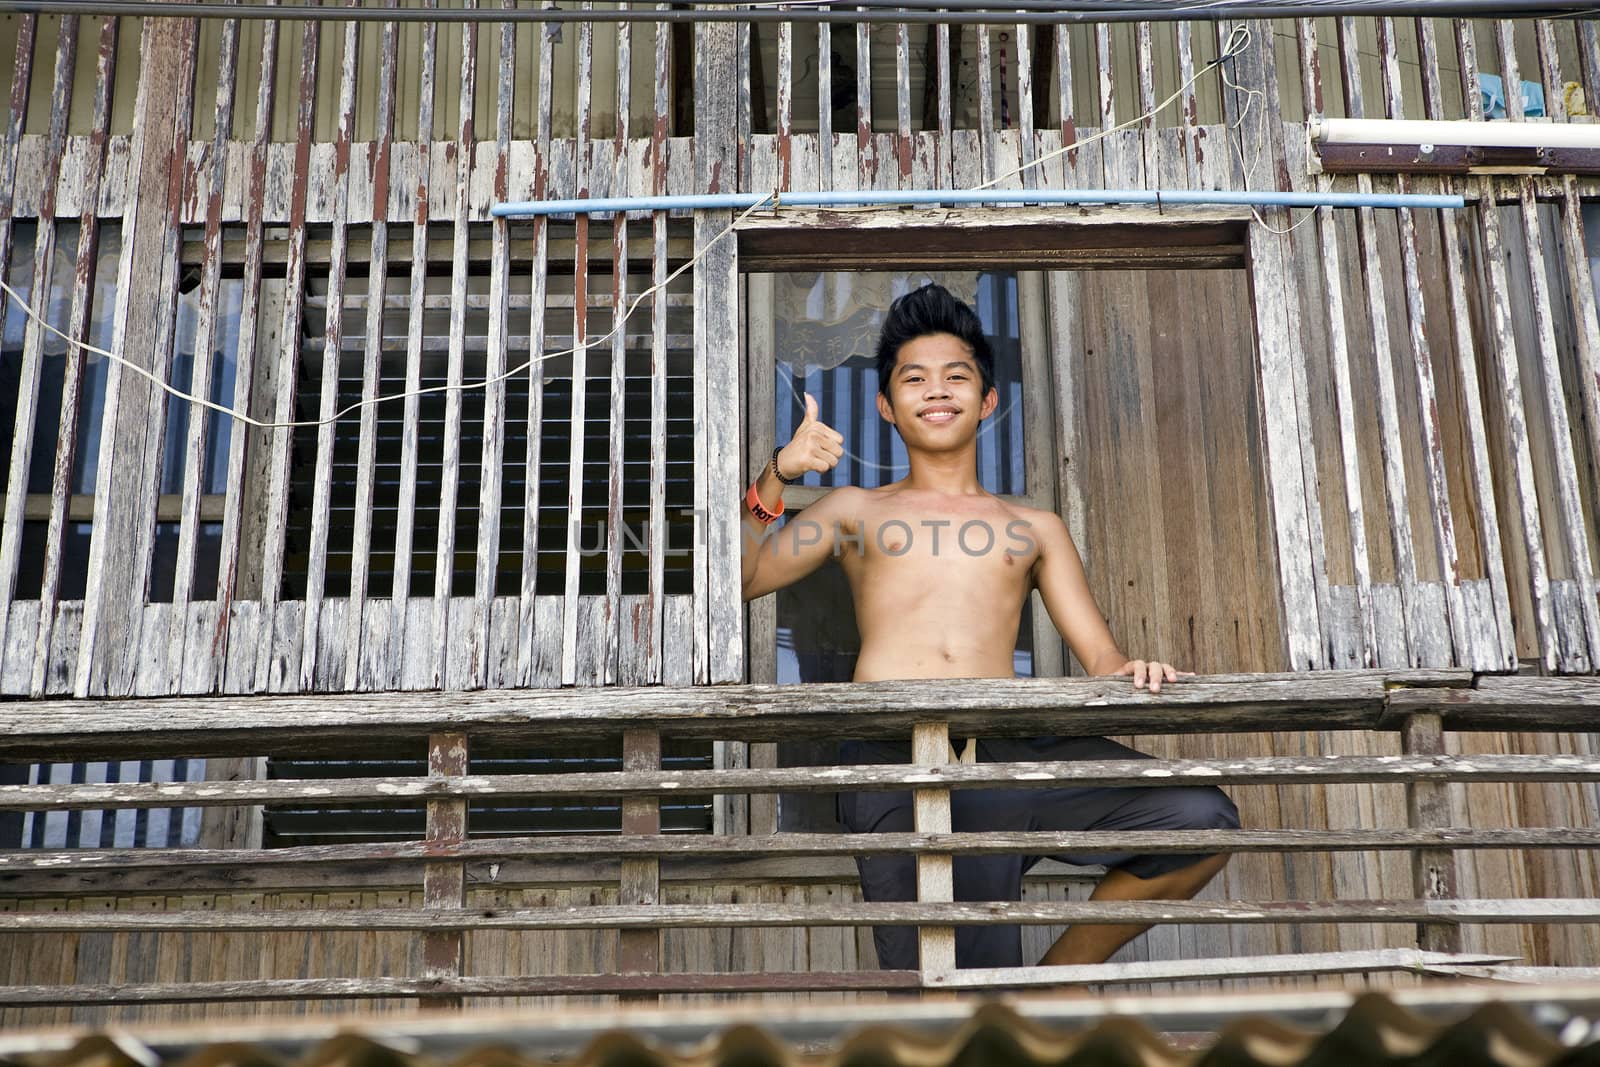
(816, 446)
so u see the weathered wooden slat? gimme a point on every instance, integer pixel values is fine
(1284, 966)
(988, 136)
(1292, 498)
(1000, 706)
(944, 163)
(782, 981)
(272, 666)
(580, 361)
(1568, 492)
(1506, 700)
(134, 414)
(1064, 90)
(178, 862)
(640, 879)
(359, 643)
(717, 602)
(21, 83)
(1190, 105)
(444, 884)
(1433, 458)
(903, 149)
(333, 337)
(1428, 807)
(446, 644)
(1026, 137)
(491, 479)
(72, 385)
(29, 372)
(1462, 306)
(1586, 323)
(1589, 58)
(785, 123)
(1144, 59)
(1510, 69)
(476, 986)
(866, 146)
(1555, 102)
(529, 634)
(1256, 770)
(1349, 443)
(936, 945)
(178, 641)
(1105, 68)
(1504, 350)
(233, 649)
(405, 525)
(1394, 477)
(1428, 61)
(611, 632)
(824, 105)
(689, 916)
(1344, 394)
(656, 547)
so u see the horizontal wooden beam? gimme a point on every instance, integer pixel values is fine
(80, 507)
(1256, 770)
(1280, 966)
(507, 873)
(744, 982)
(469, 986)
(855, 913)
(1505, 703)
(1029, 843)
(1061, 238)
(58, 730)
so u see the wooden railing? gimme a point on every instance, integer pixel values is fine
(1420, 705)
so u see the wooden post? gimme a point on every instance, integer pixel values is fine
(718, 607)
(930, 747)
(1428, 808)
(639, 951)
(444, 885)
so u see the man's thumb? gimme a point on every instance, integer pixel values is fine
(811, 408)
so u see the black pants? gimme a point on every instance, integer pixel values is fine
(981, 878)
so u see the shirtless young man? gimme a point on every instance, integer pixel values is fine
(939, 570)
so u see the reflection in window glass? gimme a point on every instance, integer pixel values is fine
(825, 334)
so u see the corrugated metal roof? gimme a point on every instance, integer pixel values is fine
(1435, 1026)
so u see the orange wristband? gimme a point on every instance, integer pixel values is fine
(753, 501)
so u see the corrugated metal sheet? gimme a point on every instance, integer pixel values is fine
(1448, 1026)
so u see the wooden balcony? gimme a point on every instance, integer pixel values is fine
(648, 903)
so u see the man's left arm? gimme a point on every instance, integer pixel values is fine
(1059, 576)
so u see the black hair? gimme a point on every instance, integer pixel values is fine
(929, 310)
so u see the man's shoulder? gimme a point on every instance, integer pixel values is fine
(1043, 519)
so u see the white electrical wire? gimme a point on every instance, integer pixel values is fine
(1236, 43)
(1234, 136)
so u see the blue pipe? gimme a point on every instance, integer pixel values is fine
(907, 197)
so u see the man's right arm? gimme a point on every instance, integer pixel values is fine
(773, 557)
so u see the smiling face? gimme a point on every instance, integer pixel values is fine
(935, 393)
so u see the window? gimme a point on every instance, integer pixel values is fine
(305, 824)
(820, 337)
